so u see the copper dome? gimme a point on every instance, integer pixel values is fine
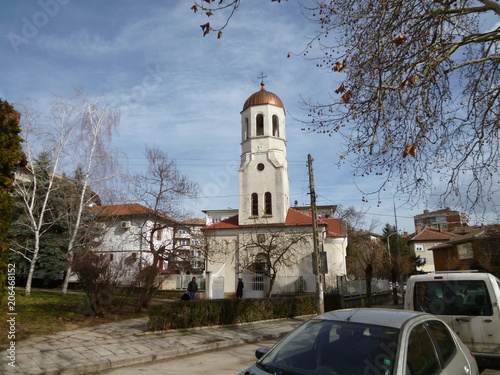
(263, 97)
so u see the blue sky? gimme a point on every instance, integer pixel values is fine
(183, 92)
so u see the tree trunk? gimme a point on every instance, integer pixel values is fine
(272, 279)
(33, 260)
(368, 281)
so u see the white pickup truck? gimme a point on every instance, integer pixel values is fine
(467, 301)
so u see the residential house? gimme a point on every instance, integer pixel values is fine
(423, 241)
(473, 248)
(130, 230)
(188, 255)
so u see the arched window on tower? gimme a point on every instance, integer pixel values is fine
(255, 204)
(247, 128)
(276, 126)
(260, 124)
(268, 206)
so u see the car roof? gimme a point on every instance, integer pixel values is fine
(453, 276)
(385, 317)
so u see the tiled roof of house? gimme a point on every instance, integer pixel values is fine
(470, 233)
(130, 209)
(194, 221)
(429, 234)
(293, 218)
(335, 228)
(229, 223)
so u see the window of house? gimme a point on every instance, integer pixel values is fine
(247, 128)
(260, 167)
(268, 208)
(183, 242)
(255, 204)
(196, 264)
(260, 124)
(465, 251)
(159, 234)
(423, 261)
(276, 126)
(110, 256)
(419, 247)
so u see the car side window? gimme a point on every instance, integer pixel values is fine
(421, 357)
(444, 340)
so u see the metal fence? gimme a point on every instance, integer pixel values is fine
(283, 285)
(358, 287)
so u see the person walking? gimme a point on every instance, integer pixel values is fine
(192, 288)
(239, 289)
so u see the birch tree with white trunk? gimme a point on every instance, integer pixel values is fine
(50, 139)
(97, 121)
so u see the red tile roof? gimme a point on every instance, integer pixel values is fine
(293, 218)
(335, 228)
(131, 209)
(194, 221)
(429, 234)
(229, 223)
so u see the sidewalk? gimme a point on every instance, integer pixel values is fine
(113, 345)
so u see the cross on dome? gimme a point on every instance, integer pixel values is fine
(262, 76)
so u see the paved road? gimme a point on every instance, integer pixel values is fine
(227, 361)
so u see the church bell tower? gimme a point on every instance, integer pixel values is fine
(264, 192)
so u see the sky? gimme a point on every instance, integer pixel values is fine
(182, 92)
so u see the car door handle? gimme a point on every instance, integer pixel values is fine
(463, 319)
(487, 320)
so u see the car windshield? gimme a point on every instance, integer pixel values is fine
(322, 347)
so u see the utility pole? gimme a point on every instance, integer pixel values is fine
(319, 282)
(399, 252)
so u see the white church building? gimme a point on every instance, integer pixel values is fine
(266, 242)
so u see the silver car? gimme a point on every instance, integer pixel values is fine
(368, 342)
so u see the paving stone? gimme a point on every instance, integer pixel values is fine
(93, 349)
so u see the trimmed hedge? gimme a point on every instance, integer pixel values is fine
(187, 314)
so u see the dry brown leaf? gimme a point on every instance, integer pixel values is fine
(410, 150)
(399, 40)
(339, 66)
(340, 90)
(347, 96)
(205, 28)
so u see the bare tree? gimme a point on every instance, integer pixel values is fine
(356, 219)
(74, 133)
(367, 256)
(35, 186)
(272, 250)
(97, 121)
(418, 103)
(161, 189)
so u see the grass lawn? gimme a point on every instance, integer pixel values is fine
(47, 312)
